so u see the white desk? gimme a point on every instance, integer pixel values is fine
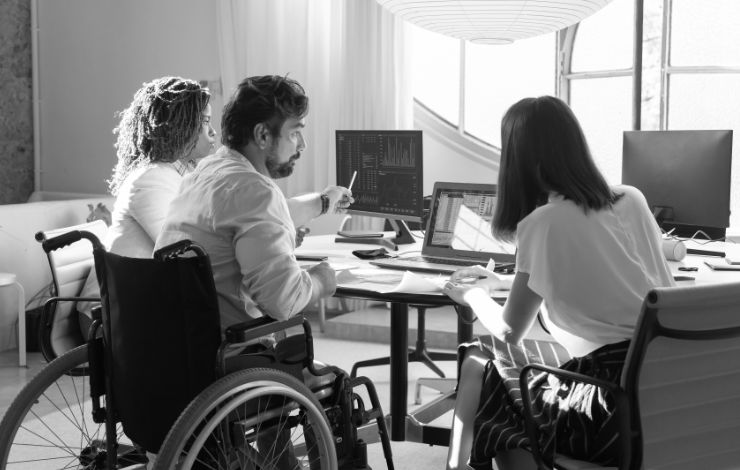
(704, 274)
(403, 425)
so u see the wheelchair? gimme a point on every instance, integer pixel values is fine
(157, 376)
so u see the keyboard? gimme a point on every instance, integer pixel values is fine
(454, 262)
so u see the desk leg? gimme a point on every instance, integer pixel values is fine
(464, 330)
(399, 369)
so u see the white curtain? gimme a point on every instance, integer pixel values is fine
(350, 55)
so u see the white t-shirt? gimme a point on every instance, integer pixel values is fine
(138, 215)
(592, 269)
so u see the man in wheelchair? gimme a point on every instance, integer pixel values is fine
(233, 209)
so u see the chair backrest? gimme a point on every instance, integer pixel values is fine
(161, 331)
(682, 376)
(70, 267)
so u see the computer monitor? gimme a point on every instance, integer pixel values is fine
(389, 180)
(685, 177)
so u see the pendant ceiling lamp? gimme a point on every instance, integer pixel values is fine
(493, 21)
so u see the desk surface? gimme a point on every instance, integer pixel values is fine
(404, 426)
(704, 274)
(341, 258)
(341, 254)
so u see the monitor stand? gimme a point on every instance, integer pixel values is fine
(403, 237)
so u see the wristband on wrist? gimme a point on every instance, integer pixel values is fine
(324, 204)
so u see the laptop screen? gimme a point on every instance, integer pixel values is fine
(460, 223)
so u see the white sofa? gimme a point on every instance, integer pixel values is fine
(22, 255)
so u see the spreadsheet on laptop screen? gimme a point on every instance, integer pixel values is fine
(463, 222)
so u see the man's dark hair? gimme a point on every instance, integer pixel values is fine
(268, 99)
(543, 149)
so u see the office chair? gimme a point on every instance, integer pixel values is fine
(61, 329)
(678, 401)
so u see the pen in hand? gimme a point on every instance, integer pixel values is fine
(352, 181)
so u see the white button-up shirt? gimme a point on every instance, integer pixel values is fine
(241, 219)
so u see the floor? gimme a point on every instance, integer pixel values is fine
(350, 337)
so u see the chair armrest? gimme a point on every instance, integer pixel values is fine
(47, 320)
(253, 329)
(619, 395)
(48, 312)
(614, 388)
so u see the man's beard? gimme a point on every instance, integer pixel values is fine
(280, 170)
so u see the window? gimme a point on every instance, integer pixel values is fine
(702, 74)
(493, 78)
(497, 76)
(436, 72)
(690, 76)
(599, 84)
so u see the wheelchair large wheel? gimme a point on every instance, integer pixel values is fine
(49, 425)
(256, 419)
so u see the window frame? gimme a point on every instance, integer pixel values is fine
(668, 70)
(566, 43)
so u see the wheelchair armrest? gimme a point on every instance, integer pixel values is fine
(48, 312)
(253, 329)
(619, 395)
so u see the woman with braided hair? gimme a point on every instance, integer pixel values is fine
(161, 135)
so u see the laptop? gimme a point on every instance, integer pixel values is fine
(458, 233)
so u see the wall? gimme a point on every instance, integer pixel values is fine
(93, 56)
(451, 156)
(16, 110)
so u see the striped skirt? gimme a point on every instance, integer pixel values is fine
(573, 418)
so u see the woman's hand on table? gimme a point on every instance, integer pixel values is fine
(466, 280)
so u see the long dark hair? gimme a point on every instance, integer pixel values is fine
(161, 124)
(543, 149)
(268, 99)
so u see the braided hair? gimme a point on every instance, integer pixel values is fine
(161, 124)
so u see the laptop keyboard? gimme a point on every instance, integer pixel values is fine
(454, 262)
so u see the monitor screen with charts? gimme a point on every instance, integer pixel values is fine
(458, 232)
(388, 164)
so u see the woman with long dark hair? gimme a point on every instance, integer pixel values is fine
(587, 254)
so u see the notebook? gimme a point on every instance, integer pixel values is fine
(458, 232)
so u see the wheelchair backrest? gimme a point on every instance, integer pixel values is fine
(162, 331)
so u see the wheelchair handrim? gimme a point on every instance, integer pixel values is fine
(254, 389)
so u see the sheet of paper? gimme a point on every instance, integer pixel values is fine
(385, 281)
(414, 283)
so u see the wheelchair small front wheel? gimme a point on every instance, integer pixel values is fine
(252, 419)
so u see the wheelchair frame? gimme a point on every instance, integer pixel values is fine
(333, 417)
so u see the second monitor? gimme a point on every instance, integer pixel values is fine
(685, 177)
(389, 181)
